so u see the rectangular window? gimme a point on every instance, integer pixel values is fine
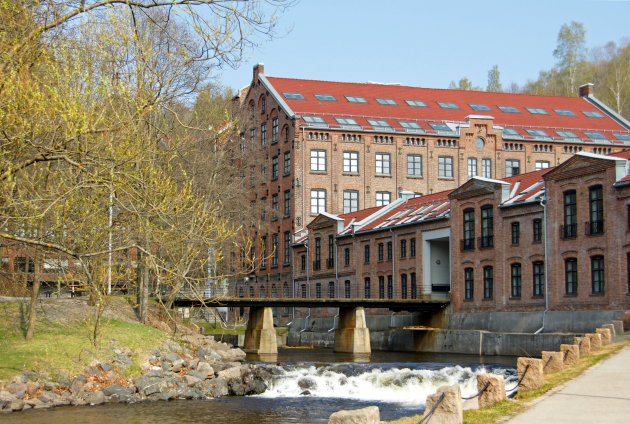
(274, 168)
(347, 288)
(468, 242)
(263, 252)
(287, 203)
(303, 263)
(350, 201)
(318, 201)
(318, 160)
(542, 164)
(469, 284)
(472, 167)
(346, 256)
(325, 97)
(317, 264)
(356, 99)
(366, 288)
(414, 287)
(287, 163)
(348, 122)
(537, 111)
(487, 282)
(274, 207)
(293, 96)
(390, 287)
(287, 248)
(416, 103)
(570, 276)
(263, 134)
(596, 210)
(389, 251)
(381, 252)
(412, 248)
(570, 215)
(274, 130)
(351, 162)
(318, 290)
(597, 274)
(403, 249)
(381, 287)
(331, 289)
(303, 291)
(274, 253)
(445, 166)
(331, 252)
(253, 138)
(403, 286)
(414, 165)
(537, 230)
(512, 167)
(379, 124)
(389, 102)
(366, 253)
(383, 198)
(516, 233)
(516, 280)
(538, 273)
(448, 105)
(486, 168)
(382, 164)
(487, 227)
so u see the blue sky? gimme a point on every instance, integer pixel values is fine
(426, 43)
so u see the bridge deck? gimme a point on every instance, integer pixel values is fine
(423, 304)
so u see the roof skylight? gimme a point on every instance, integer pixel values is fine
(510, 131)
(356, 99)
(389, 102)
(314, 119)
(448, 105)
(416, 103)
(325, 97)
(624, 137)
(595, 135)
(347, 121)
(564, 112)
(536, 111)
(566, 134)
(508, 109)
(293, 96)
(480, 107)
(439, 127)
(592, 114)
(378, 123)
(537, 133)
(410, 125)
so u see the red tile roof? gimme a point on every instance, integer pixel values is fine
(328, 110)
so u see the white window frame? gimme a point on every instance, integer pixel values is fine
(414, 165)
(486, 168)
(383, 198)
(445, 166)
(542, 164)
(350, 201)
(318, 160)
(383, 164)
(510, 165)
(351, 162)
(472, 167)
(318, 201)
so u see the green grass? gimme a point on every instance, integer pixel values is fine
(65, 347)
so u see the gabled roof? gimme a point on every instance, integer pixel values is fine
(392, 107)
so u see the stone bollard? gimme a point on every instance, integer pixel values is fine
(618, 324)
(613, 332)
(585, 345)
(369, 415)
(534, 377)
(552, 362)
(450, 410)
(570, 353)
(495, 391)
(596, 341)
(606, 335)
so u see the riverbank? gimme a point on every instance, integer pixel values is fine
(131, 363)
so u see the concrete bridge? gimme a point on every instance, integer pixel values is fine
(351, 334)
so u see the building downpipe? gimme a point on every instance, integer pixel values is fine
(543, 203)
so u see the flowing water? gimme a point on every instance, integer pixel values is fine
(306, 386)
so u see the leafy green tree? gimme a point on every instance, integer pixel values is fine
(494, 80)
(571, 55)
(463, 84)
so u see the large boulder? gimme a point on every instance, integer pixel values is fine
(495, 392)
(96, 398)
(218, 386)
(570, 353)
(606, 335)
(553, 362)
(369, 415)
(584, 343)
(533, 377)
(450, 409)
(233, 372)
(596, 341)
(150, 385)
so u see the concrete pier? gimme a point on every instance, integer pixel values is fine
(352, 334)
(260, 335)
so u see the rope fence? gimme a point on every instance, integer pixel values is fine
(478, 394)
(519, 381)
(427, 417)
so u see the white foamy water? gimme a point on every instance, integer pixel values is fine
(400, 385)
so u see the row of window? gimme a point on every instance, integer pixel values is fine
(350, 200)
(275, 250)
(595, 225)
(516, 281)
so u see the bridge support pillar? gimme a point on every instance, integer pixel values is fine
(352, 334)
(260, 336)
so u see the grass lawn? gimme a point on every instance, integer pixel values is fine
(520, 401)
(64, 346)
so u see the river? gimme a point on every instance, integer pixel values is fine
(305, 386)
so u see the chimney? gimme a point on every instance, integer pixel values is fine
(259, 69)
(587, 89)
(406, 195)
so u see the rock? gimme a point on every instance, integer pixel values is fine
(177, 365)
(50, 386)
(106, 367)
(96, 398)
(149, 385)
(219, 387)
(123, 359)
(305, 393)
(606, 335)
(111, 375)
(306, 383)
(171, 394)
(78, 401)
(61, 402)
(188, 393)
(611, 327)
(155, 352)
(3, 404)
(49, 397)
(233, 372)
(32, 388)
(117, 392)
(197, 374)
(495, 392)
(570, 353)
(618, 324)
(584, 344)
(596, 341)
(369, 415)
(552, 362)
(171, 357)
(191, 380)
(255, 387)
(77, 385)
(209, 354)
(65, 381)
(156, 372)
(7, 396)
(16, 388)
(16, 405)
(37, 404)
(533, 378)
(450, 410)
(236, 387)
(205, 369)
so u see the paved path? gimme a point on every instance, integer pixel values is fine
(600, 395)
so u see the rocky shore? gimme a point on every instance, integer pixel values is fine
(197, 367)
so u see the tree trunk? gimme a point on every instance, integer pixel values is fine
(32, 310)
(143, 287)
